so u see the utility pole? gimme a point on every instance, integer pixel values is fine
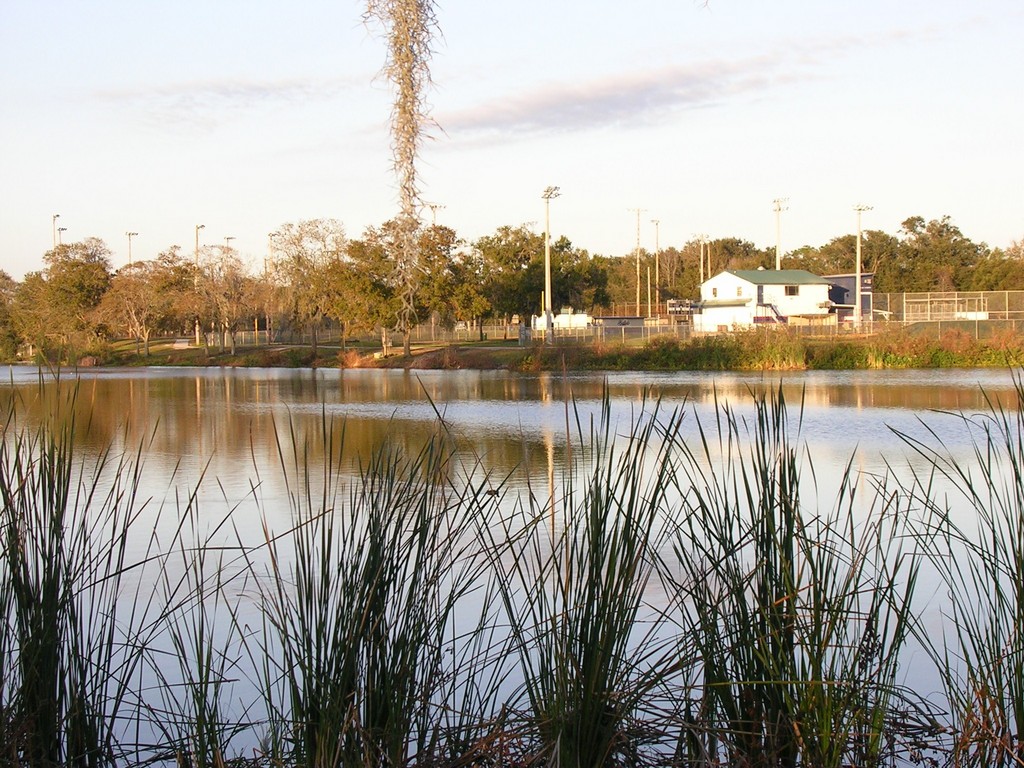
(266, 279)
(657, 260)
(55, 217)
(858, 309)
(547, 196)
(195, 278)
(198, 227)
(779, 205)
(701, 240)
(649, 291)
(638, 212)
(130, 236)
(434, 208)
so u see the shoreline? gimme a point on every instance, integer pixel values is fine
(750, 351)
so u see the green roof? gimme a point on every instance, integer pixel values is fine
(778, 276)
(726, 302)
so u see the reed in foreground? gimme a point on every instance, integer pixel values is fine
(72, 632)
(360, 608)
(974, 537)
(798, 616)
(574, 584)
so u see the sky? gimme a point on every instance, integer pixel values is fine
(241, 115)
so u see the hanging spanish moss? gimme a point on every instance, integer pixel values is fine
(410, 26)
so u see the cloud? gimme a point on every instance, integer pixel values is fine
(636, 97)
(205, 105)
(652, 96)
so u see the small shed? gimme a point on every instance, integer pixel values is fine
(744, 298)
(843, 294)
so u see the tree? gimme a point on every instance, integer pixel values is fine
(8, 332)
(933, 256)
(675, 267)
(372, 289)
(510, 285)
(56, 308)
(303, 252)
(469, 303)
(436, 291)
(147, 296)
(838, 256)
(999, 270)
(343, 301)
(581, 282)
(226, 289)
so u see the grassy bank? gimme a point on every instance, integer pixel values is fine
(778, 350)
(670, 602)
(754, 350)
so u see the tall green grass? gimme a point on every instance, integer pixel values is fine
(974, 536)
(194, 658)
(574, 581)
(798, 615)
(72, 638)
(360, 604)
(667, 600)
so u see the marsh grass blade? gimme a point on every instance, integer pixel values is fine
(797, 617)
(360, 598)
(575, 598)
(974, 536)
(74, 637)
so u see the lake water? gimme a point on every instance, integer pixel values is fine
(227, 422)
(224, 430)
(222, 433)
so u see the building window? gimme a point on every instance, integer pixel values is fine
(714, 292)
(739, 290)
(792, 290)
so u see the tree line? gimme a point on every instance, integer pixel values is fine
(314, 274)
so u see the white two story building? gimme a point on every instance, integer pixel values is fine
(743, 298)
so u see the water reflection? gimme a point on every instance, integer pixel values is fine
(231, 418)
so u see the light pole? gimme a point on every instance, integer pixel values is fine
(649, 308)
(195, 278)
(434, 208)
(270, 253)
(638, 212)
(779, 205)
(130, 236)
(227, 242)
(858, 309)
(548, 195)
(266, 279)
(60, 239)
(198, 227)
(701, 241)
(55, 217)
(657, 259)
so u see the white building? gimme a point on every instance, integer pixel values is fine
(742, 298)
(566, 320)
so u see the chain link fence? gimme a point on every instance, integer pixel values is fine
(983, 314)
(949, 305)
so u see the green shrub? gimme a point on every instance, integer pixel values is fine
(838, 355)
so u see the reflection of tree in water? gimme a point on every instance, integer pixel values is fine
(234, 420)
